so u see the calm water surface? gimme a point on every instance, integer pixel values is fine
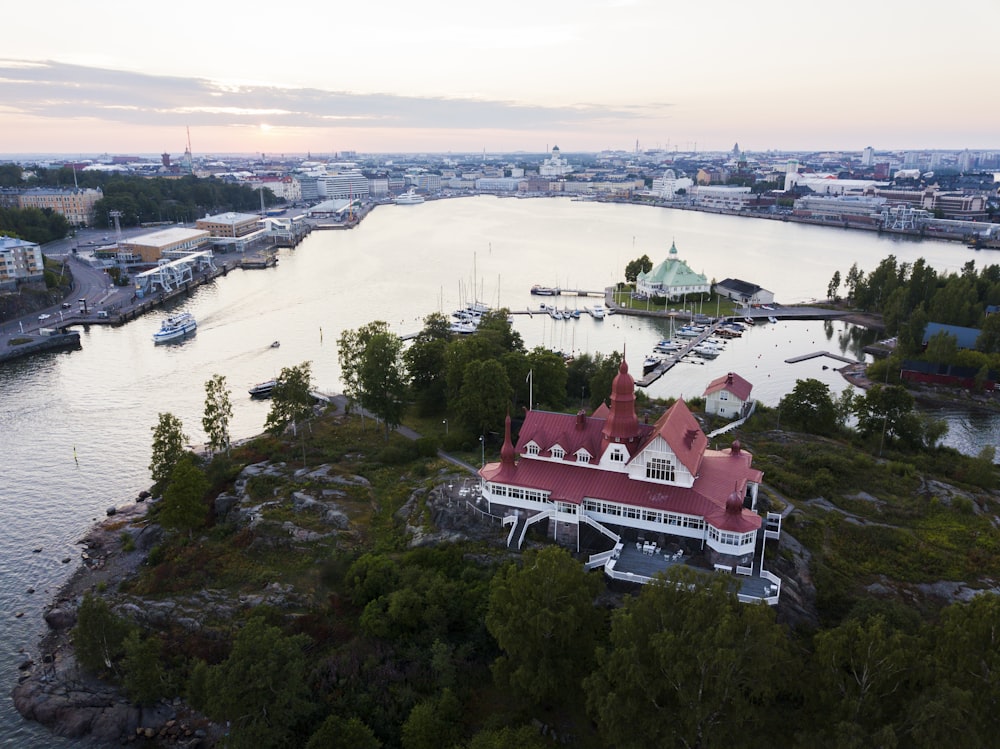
(76, 426)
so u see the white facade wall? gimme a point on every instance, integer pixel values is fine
(729, 198)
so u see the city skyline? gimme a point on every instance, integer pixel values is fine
(436, 77)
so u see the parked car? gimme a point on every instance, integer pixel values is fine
(44, 317)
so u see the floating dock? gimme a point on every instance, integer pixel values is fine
(817, 354)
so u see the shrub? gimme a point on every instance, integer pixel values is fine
(395, 455)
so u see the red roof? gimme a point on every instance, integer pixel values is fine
(679, 429)
(718, 474)
(731, 382)
(570, 482)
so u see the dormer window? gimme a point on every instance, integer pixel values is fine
(659, 469)
(531, 449)
(617, 456)
(582, 456)
(558, 453)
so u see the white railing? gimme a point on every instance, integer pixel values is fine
(531, 521)
(510, 520)
(733, 424)
(629, 577)
(723, 568)
(772, 527)
(748, 571)
(600, 559)
(606, 531)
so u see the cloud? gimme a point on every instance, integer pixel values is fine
(59, 91)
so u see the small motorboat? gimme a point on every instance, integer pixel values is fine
(275, 344)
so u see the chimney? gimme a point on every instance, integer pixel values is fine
(581, 418)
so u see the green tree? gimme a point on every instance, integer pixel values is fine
(888, 410)
(144, 674)
(858, 696)
(634, 267)
(809, 407)
(343, 733)
(183, 507)
(687, 665)
(425, 363)
(578, 375)
(291, 399)
(843, 407)
(852, 281)
(383, 379)
(218, 414)
(261, 688)
(543, 617)
(600, 383)
(833, 287)
(371, 364)
(99, 635)
(548, 377)
(941, 348)
(485, 396)
(523, 737)
(351, 355)
(966, 668)
(168, 447)
(433, 723)
(988, 340)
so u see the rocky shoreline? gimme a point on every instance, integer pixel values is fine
(56, 692)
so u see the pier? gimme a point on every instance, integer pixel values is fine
(817, 354)
(667, 364)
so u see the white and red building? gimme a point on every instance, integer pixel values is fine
(655, 491)
(728, 396)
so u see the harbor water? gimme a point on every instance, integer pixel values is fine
(77, 425)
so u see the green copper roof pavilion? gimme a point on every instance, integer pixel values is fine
(672, 278)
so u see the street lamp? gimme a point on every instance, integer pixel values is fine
(445, 422)
(482, 442)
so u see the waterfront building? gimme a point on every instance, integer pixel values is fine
(229, 224)
(309, 187)
(497, 184)
(728, 396)
(853, 208)
(630, 481)
(429, 183)
(20, 262)
(555, 165)
(348, 185)
(671, 279)
(722, 197)
(950, 204)
(378, 187)
(233, 231)
(666, 187)
(166, 243)
(747, 294)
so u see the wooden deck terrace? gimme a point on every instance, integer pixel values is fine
(633, 564)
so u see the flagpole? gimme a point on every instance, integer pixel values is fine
(531, 384)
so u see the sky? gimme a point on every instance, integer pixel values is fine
(440, 76)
